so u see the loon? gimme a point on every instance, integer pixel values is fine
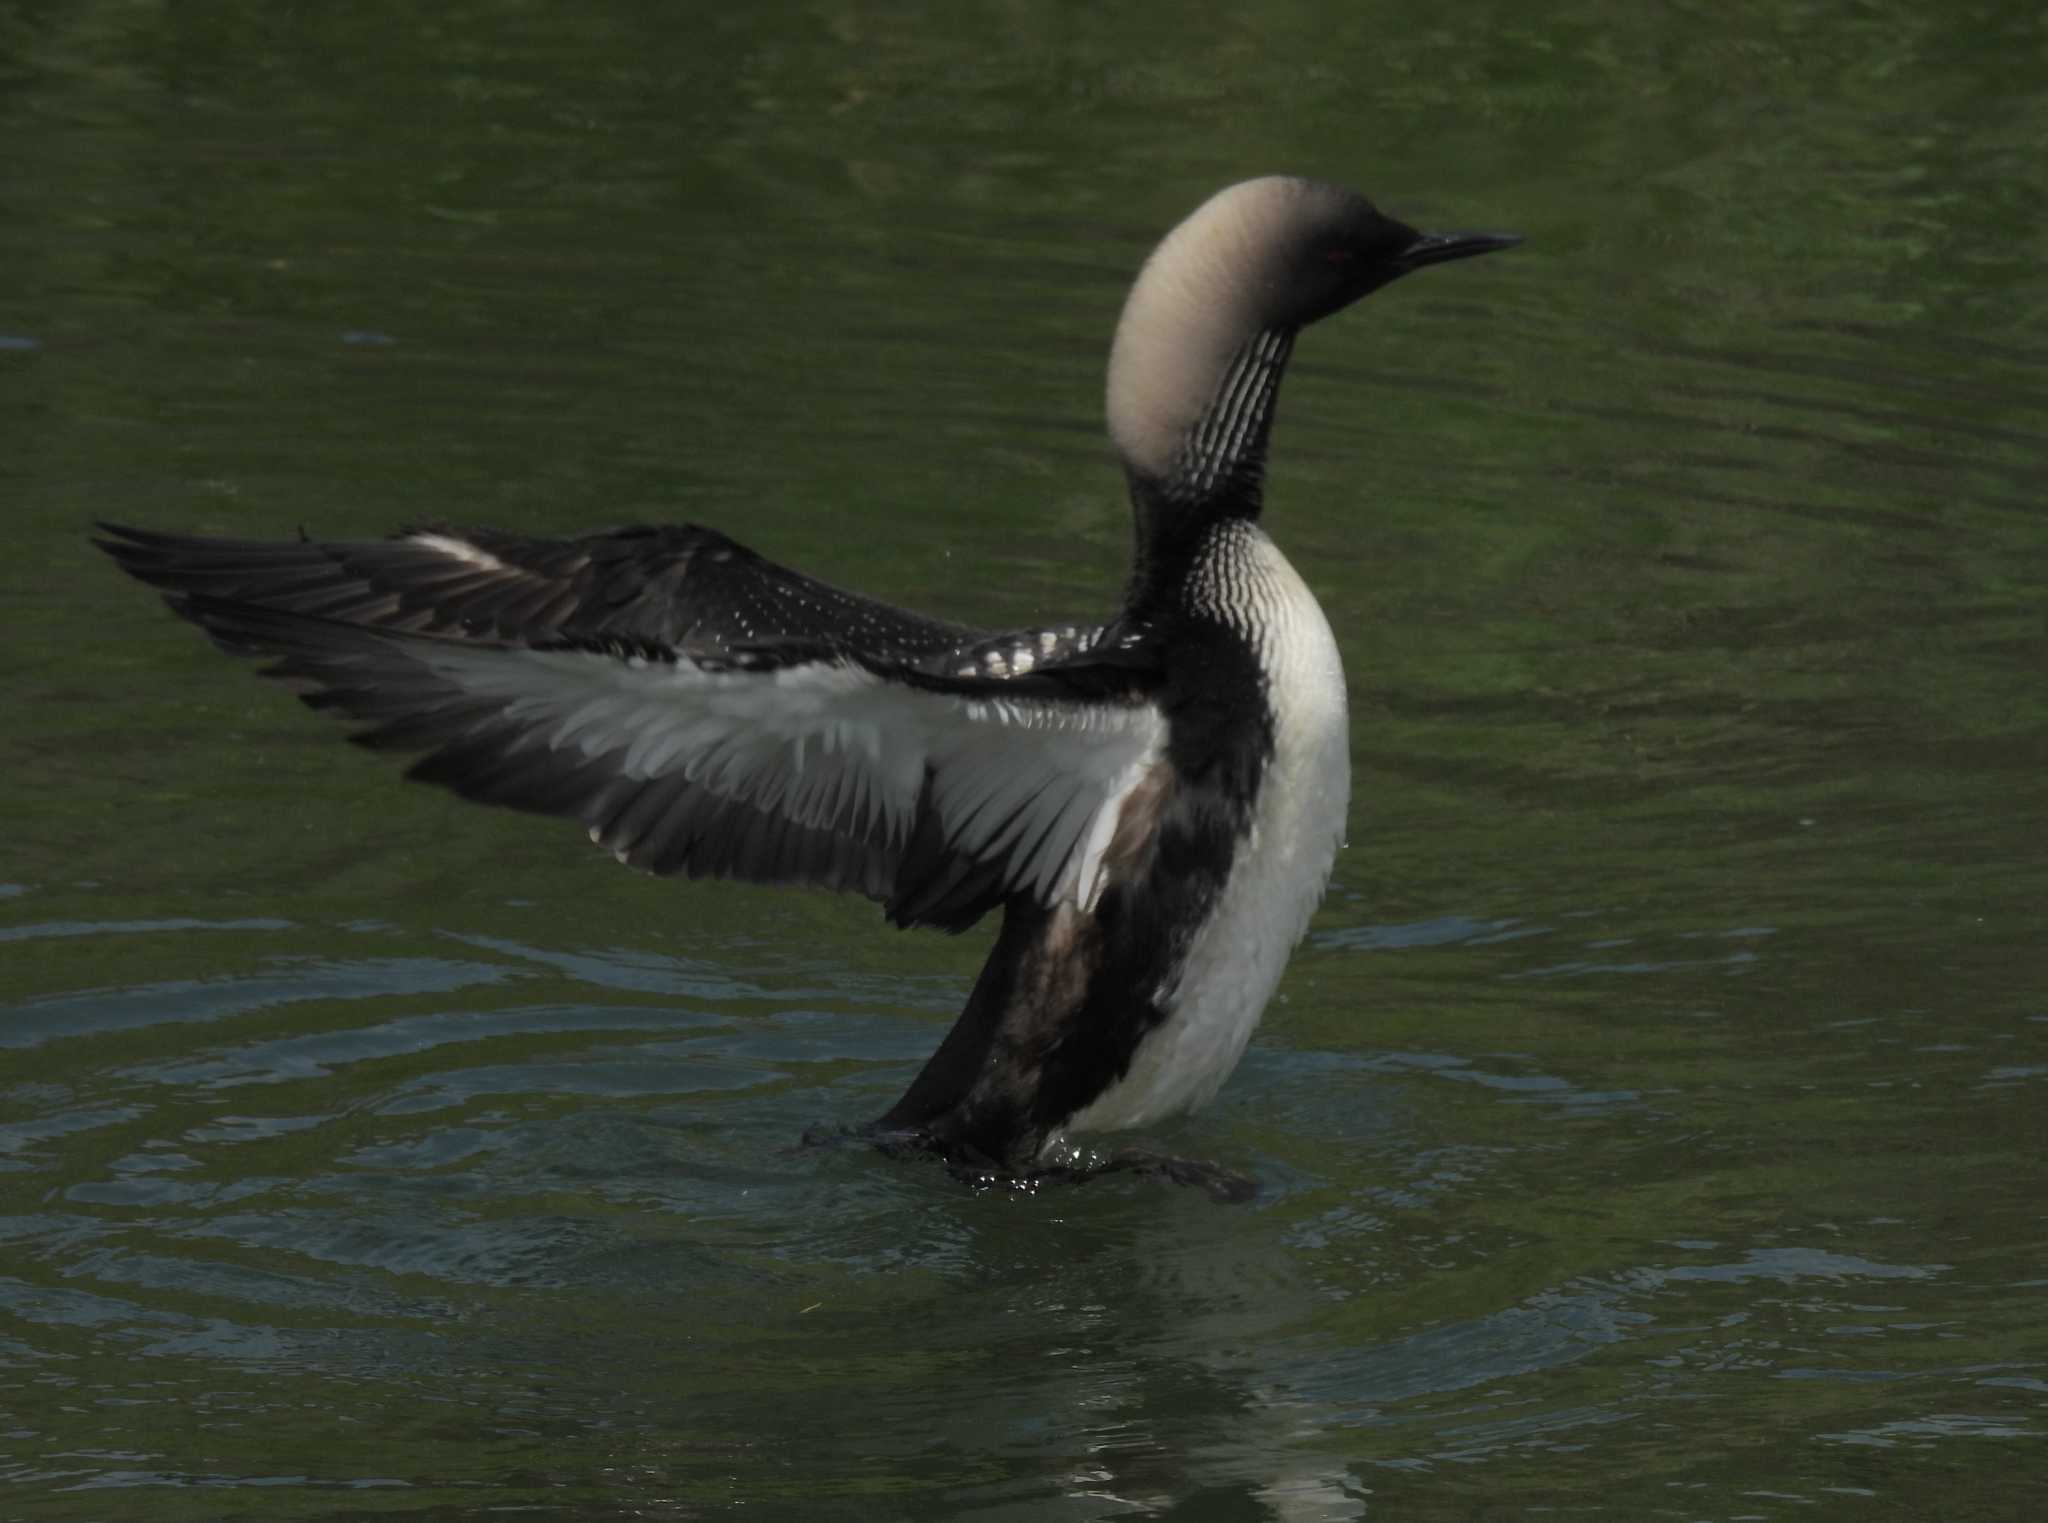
(1153, 803)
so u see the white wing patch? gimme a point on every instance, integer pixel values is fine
(461, 550)
(1032, 782)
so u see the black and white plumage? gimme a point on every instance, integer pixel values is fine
(1153, 803)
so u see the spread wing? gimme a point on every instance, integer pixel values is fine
(669, 586)
(874, 751)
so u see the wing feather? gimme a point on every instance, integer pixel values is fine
(938, 801)
(682, 584)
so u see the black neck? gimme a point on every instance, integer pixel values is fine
(1220, 472)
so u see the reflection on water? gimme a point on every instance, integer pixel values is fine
(1652, 1121)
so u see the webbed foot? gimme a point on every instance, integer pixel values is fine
(1226, 1186)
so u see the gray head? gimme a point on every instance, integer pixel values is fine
(1225, 292)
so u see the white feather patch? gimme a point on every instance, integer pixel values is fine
(460, 550)
(830, 745)
(1214, 999)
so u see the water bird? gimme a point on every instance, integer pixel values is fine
(1154, 803)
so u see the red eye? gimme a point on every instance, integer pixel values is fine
(1338, 255)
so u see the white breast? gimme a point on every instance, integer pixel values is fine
(1235, 959)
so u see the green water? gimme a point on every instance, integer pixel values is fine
(1653, 1124)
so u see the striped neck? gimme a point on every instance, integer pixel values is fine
(1224, 454)
(1218, 471)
